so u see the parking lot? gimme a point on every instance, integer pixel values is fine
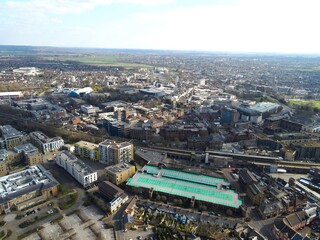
(81, 224)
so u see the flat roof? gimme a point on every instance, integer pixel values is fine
(120, 167)
(34, 178)
(9, 132)
(186, 185)
(88, 145)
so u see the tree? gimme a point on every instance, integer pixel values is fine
(164, 199)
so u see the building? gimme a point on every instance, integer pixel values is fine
(285, 228)
(119, 173)
(187, 186)
(270, 210)
(11, 95)
(12, 137)
(89, 109)
(111, 153)
(87, 150)
(309, 150)
(248, 114)
(229, 116)
(76, 168)
(3, 162)
(183, 132)
(29, 153)
(255, 194)
(45, 143)
(81, 92)
(113, 194)
(26, 188)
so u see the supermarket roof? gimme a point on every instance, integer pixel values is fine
(187, 185)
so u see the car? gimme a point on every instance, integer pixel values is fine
(125, 230)
(211, 213)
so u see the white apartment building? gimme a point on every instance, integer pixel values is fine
(45, 143)
(76, 168)
(111, 153)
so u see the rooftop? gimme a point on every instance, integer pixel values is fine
(10, 132)
(26, 148)
(203, 188)
(264, 107)
(75, 162)
(88, 145)
(43, 138)
(35, 178)
(150, 156)
(120, 167)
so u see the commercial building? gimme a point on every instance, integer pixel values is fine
(26, 188)
(119, 173)
(12, 137)
(87, 150)
(45, 143)
(10, 95)
(76, 168)
(188, 186)
(81, 92)
(111, 153)
(89, 109)
(229, 116)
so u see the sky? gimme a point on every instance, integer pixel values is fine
(267, 26)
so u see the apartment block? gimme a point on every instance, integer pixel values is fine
(12, 137)
(87, 150)
(76, 168)
(119, 173)
(111, 153)
(45, 143)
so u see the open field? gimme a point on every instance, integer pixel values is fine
(100, 60)
(314, 103)
(309, 69)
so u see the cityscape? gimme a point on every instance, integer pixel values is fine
(153, 139)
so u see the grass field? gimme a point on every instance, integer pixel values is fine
(314, 103)
(102, 60)
(310, 69)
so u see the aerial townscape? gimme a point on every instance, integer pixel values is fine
(159, 120)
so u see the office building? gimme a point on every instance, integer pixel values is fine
(76, 168)
(26, 188)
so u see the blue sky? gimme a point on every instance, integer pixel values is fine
(277, 26)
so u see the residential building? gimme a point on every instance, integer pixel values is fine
(111, 152)
(12, 137)
(3, 162)
(87, 150)
(45, 143)
(255, 194)
(119, 173)
(286, 228)
(26, 188)
(29, 153)
(113, 194)
(76, 168)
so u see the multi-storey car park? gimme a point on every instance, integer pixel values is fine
(26, 188)
(206, 189)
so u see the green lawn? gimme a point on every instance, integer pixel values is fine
(315, 103)
(102, 60)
